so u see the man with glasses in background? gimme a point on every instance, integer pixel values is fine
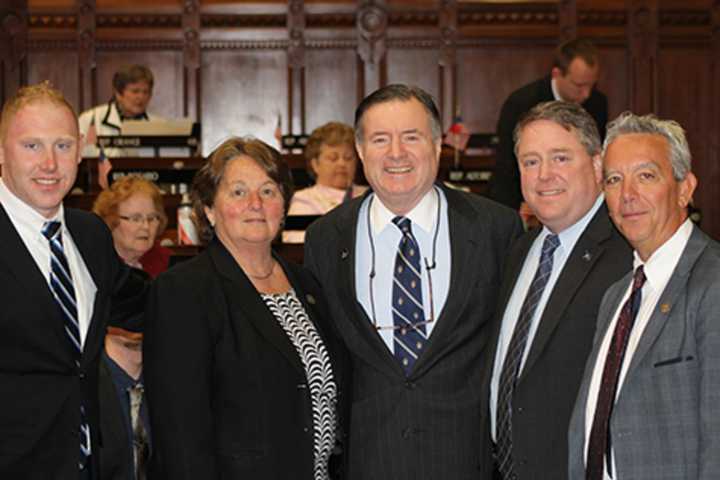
(411, 272)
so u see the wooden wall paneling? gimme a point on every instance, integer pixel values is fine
(243, 89)
(57, 63)
(489, 73)
(447, 95)
(412, 62)
(332, 71)
(13, 46)
(642, 34)
(712, 180)
(87, 81)
(372, 24)
(567, 19)
(192, 87)
(296, 66)
(613, 80)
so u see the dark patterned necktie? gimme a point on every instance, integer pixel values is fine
(61, 285)
(140, 438)
(599, 443)
(514, 355)
(407, 304)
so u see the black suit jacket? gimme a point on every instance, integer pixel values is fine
(41, 387)
(227, 392)
(504, 185)
(115, 453)
(546, 389)
(427, 425)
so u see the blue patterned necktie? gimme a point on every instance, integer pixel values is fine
(407, 304)
(514, 355)
(61, 285)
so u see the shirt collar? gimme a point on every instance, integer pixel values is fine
(23, 214)
(122, 379)
(570, 235)
(422, 215)
(661, 264)
(556, 94)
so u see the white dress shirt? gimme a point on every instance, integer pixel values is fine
(429, 217)
(568, 238)
(29, 224)
(658, 269)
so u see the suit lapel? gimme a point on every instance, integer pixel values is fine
(111, 119)
(675, 287)
(587, 252)
(346, 227)
(21, 264)
(245, 301)
(465, 243)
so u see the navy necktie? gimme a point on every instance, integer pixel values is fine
(514, 355)
(63, 289)
(599, 442)
(407, 303)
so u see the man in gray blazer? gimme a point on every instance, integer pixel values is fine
(649, 405)
(411, 272)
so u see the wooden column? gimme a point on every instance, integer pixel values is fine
(87, 78)
(642, 37)
(296, 66)
(712, 224)
(372, 23)
(567, 19)
(13, 47)
(192, 106)
(447, 68)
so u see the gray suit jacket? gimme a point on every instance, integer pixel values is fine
(666, 421)
(426, 426)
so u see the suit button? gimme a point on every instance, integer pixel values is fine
(410, 385)
(81, 374)
(306, 429)
(520, 409)
(406, 433)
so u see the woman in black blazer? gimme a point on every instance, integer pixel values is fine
(244, 374)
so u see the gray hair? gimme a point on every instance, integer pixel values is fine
(571, 116)
(628, 123)
(402, 93)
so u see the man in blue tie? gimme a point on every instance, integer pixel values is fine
(553, 285)
(649, 403)
(411, 272)
(59, 270)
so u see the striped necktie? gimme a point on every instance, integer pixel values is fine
(515, 353)
(61, 285)
(407, 303)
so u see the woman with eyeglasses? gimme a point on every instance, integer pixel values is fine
(133, 209)
(243, 369)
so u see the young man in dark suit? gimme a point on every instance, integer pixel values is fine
(575, 71)
(411, 272)
(59, 270)
(551, 292)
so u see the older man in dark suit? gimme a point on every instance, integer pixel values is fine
(59, 270)
(411, 272)
(552, 289)
(572, 79)
(649, 404)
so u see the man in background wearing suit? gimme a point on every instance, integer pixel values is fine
(411, 272)
(649, 404)
(124, 416)
(58, 270)
(575, 71)
(551, 292)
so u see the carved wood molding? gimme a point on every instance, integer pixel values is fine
(191, 34)
(685, 18)
(567, 19)
(244, 44)
(41, 45)
(53, 21)
(372, 23)
(296, 33)
(330, 20)
(448, 23)
(141, 45)
(242, 21)
(13, 37)
(494, 14)
(419, 43)
(324, 44)
(602, 18)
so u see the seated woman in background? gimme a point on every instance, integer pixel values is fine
(133, 209)
(243, 370)
(332, 161)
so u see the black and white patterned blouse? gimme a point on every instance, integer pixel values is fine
(289, 312)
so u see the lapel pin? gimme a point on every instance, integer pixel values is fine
(344, 253)
(310, 299)
(587, 256)
(665, 307)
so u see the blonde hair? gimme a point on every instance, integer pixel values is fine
(106, 204)
(40, 92)
(331, 134)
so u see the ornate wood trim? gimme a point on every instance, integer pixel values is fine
(642, 35)
(372, 23)
(602, 18)
(567, 19)
(296, 33)
(243, 21)
(510, 14)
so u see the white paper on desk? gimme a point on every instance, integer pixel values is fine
(181, 127)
